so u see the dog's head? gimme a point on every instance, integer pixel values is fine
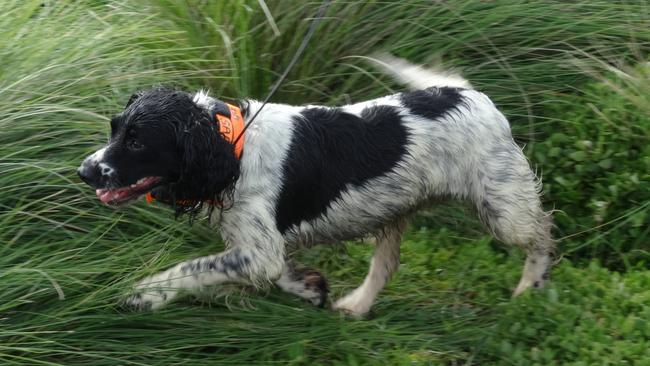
(163, 142)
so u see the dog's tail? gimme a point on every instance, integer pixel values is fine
(417, 77)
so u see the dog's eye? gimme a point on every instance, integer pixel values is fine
(133, 144)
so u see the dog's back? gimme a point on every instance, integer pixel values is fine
(341, 173)
(346, 172)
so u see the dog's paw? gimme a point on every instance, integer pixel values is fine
(306, 283)
(353, 305)
(316, 289)
(149, 294)
(526, 283)
(137, 302)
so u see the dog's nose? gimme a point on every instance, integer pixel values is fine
(85, 176)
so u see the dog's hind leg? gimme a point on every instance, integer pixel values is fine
(385, 262)
(304, 282)
(508, 202)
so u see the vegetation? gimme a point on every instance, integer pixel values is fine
(571, 77)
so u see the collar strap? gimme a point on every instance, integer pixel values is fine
(231, 125)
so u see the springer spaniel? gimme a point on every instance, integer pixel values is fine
(317, 174)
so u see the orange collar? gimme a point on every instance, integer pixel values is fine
(230, 127)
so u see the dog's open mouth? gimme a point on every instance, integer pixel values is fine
(123, 194)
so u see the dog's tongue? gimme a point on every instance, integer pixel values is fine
(124, 193)
(112, 195)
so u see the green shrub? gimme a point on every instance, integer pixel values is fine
(588, 316)
(596, 166)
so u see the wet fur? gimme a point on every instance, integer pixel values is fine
(316, 174)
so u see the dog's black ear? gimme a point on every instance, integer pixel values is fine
(209, 167)
(135, 96)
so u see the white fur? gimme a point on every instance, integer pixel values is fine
(202, 98)
(384, 264)
(98, 155)
(97, 158)
(106, 169)
(417, 77)
(297, 286)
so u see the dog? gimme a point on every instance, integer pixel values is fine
(315, 174)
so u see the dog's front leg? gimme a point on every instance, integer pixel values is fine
(256, 257)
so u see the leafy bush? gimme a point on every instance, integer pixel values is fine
(596, 163)
(589, 316)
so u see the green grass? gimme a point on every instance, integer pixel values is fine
(572, 78)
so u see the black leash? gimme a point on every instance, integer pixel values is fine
(294, 60)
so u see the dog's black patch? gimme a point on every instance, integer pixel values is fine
(432, 102)
(331, 149)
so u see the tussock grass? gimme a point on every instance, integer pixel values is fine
(65, 260)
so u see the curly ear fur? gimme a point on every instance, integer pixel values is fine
(133, 97)
(209, 166)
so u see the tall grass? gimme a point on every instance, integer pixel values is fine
(65, 260)
(507, 48)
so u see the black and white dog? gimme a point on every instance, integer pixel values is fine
(314, 174)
